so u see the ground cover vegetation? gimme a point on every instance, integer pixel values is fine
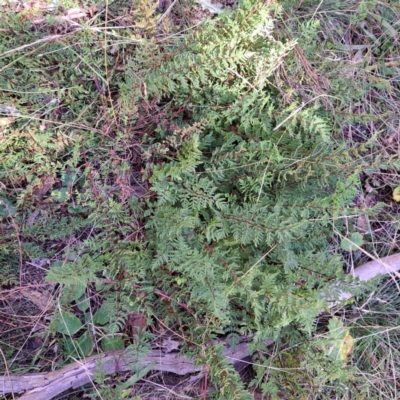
(172, 174)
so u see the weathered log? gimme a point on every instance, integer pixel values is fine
(45, 386)
(371, 269)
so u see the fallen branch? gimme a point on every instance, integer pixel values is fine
(45, 386)
(371, 269)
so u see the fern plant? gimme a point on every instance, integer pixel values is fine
(246, 192)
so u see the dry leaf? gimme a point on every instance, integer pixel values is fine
(7, 121)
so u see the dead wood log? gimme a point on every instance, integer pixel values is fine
(45, 386)
(371, 269)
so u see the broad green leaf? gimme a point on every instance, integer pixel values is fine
(68, 179)
(352, 243)
(60, 195)
(85, 344)
(6, 208)
(102, 315)
(76, 210)
(112, 343)
(341, 341)
(74, 292)
(80, 347)
(67, 323)
(83, 303)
